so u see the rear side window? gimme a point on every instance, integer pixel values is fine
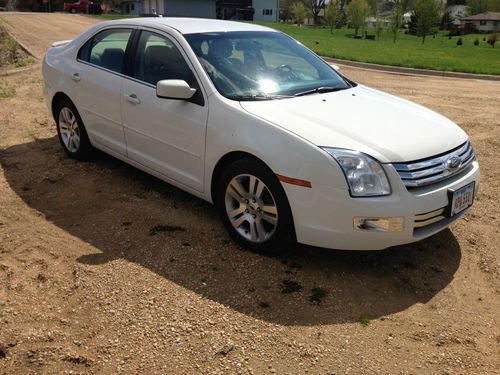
(157, 58)
(107, 49)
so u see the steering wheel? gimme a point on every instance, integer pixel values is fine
(285, 72)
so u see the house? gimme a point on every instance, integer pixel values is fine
(243, 10)
(483, 22)
(371, 22)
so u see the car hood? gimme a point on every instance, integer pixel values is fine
(386, 127)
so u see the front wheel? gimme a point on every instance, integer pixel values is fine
(254, 207)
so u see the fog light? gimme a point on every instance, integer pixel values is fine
(379, 224)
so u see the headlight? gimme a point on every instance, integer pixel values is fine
(365, 176)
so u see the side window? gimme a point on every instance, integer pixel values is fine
(157, 58)
(107, 49)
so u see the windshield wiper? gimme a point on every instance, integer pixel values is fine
(258, 97)
(320, 90)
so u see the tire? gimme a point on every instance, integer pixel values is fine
(73, 10)
(257, 218)
(71, 131)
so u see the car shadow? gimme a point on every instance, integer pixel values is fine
(127, 214)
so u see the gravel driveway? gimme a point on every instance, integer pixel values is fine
(106, 270)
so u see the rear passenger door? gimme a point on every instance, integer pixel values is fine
(97, 80)
(165, 135)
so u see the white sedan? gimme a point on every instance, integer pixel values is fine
(247, 118)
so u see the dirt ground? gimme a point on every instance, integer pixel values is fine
(106, 270)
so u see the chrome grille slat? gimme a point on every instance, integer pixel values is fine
(421, 224)
(432, 170)
(428, 218)
(428, 215)
(431, 162)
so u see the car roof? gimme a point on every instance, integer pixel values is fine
(193, 25)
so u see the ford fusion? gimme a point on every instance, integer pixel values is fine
(285, 146)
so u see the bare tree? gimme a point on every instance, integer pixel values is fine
(314, 7)
(396, 19)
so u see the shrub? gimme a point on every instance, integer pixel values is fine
(459, 42)
(476, 42)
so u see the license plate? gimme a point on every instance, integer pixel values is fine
(462, 199)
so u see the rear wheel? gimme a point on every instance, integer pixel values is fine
(254, 207)
(71, 131)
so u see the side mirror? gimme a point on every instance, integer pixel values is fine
(336, 67)
(174, 89)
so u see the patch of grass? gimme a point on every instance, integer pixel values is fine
(364, 321)
(439, 53)
(165, 228)
(317, 295)
(7, 92)
(24, 63)
(11, 53)
(290, 286)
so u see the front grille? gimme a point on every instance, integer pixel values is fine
(428, 218)
(428, 171)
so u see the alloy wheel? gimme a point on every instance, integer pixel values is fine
(251, 208)
(68, 127)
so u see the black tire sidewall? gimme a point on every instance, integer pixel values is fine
(284, 235)
(85, 149)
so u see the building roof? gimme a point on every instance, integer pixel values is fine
(193, 25)
(486, 16)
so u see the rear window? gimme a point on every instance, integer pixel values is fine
(106, 49)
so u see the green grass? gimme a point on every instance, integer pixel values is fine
(6, 92)
(364, 321)
(11, 53)
(439, 53)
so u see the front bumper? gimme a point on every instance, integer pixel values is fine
(323, 216)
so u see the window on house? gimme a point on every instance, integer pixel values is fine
(482, 22)
(267, 12)
(132, 6)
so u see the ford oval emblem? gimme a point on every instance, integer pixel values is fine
(453, 163)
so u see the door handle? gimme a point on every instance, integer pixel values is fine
(132, 98)
(76, 77)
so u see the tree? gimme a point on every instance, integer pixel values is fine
(286, 10)
(357, 11)
(299, 12)
(447, 21)
(314, 7)
(332, 14)
(481, 6)
(396, 19)
(379, 26)
(428, 15)
(476, 6)
(373, 7)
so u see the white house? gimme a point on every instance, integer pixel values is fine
(485, 22)
(371, 22)
(243, 10)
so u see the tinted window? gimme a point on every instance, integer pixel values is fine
(107, 49)
(158, 58)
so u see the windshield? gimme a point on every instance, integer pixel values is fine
(260, 65)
